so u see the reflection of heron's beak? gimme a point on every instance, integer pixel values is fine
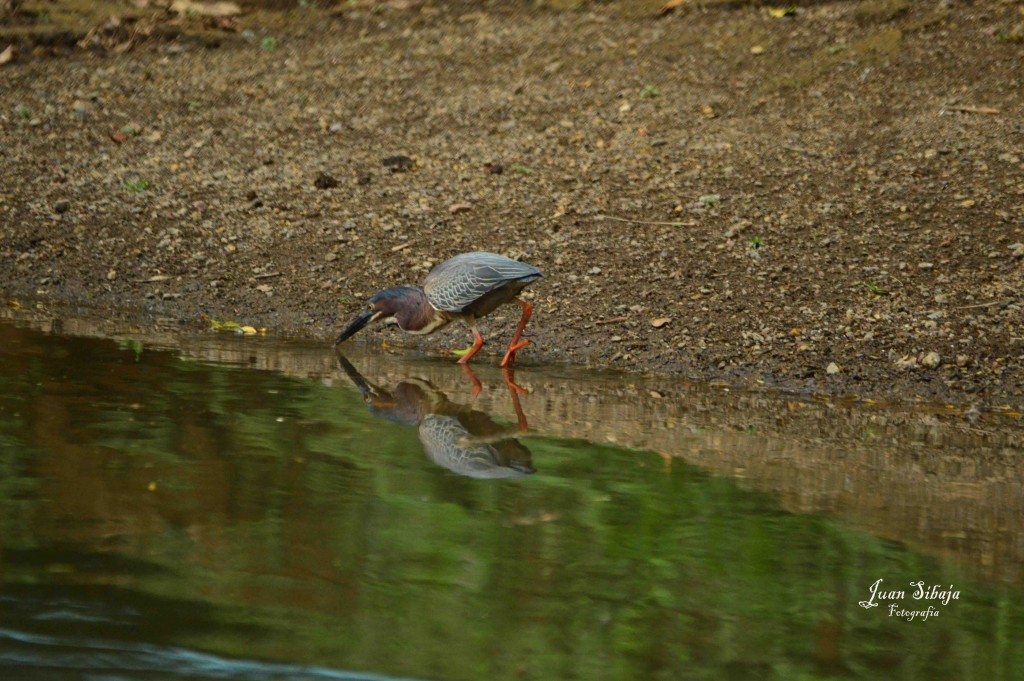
(364, 386)
(358, 323)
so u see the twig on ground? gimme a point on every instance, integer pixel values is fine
(975, 110)
(645, 222)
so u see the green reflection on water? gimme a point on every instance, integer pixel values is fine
(253, 515)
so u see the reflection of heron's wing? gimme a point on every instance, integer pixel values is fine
(448, 444)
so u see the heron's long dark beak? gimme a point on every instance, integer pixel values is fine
(358, 323)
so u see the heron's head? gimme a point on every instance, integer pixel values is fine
(391, 306)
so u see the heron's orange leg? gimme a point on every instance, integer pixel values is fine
(478, 342)
(516, 344)
(515, 390)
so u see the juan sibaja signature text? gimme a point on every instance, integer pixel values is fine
(921, 592)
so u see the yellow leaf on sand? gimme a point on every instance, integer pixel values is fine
(248, 331)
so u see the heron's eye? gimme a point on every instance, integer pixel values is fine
(370, 306)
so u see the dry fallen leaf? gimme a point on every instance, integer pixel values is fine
(671, 5)
(660, 322)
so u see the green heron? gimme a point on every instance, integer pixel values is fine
(468, 287)
(464, 440)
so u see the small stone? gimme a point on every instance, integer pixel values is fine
(757, 49)
(932, 360)
(324, 181)
(1017, 250)
(111, 275)
(399, 164)
(962, 360)
(265, 288)
(595, 270)
(457, 208)
(832, 368)
(62, 207)
(80, 109)
(925, 266)
(660, 322)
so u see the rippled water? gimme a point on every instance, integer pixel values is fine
(237, 508)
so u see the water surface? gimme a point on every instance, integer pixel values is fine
(226, 507)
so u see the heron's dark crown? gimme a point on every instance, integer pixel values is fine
(397, 292)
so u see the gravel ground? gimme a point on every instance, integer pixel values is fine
(829, 201)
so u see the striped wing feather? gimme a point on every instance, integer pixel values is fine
(461, 280)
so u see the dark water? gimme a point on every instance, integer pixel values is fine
(167, 516)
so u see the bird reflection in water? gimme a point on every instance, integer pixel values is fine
(464, 440)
